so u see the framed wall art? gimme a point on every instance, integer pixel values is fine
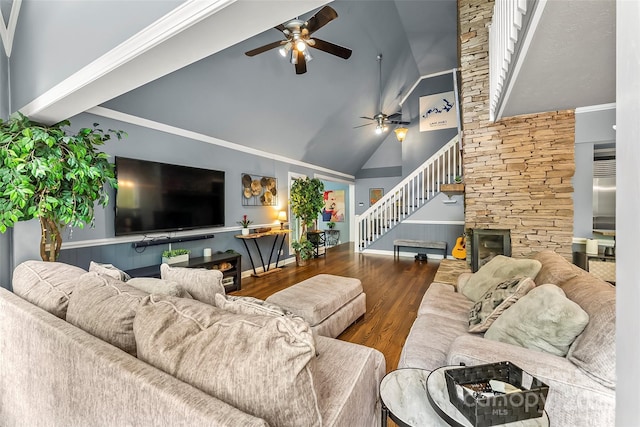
(333, 209)
(375, 194)
(438, 111)
(259, 190)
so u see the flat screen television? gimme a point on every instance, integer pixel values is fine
(158, 197)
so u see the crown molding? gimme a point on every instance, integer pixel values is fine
(594, 108)
(421, 78)
(162, 127)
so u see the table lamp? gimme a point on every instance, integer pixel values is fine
(282, 217)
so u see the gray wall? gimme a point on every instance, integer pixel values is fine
(100, 244)
(429, 232)
(592, 127)
(63, 36)
(419, 146)
(396, 160)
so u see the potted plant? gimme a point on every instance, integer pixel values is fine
(331, 225)
(174, 256)
(56, 177)
(306, 199)
(304, 251)
(245, 223)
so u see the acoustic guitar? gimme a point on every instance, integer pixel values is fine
(459, 251)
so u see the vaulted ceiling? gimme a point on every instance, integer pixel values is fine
(261, 103)
(188, 70)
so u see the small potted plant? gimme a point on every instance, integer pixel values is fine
(175, 256)
(304, 251)
(458, 179)
(245, 223)
(331, 225)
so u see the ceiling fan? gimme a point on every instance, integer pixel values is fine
(381, 120)
(298, 38)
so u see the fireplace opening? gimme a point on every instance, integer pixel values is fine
(486, 244)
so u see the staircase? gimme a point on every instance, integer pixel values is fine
(409, 195)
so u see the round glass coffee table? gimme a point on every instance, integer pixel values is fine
(419, 398)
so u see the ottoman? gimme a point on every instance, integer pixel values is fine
(327, 302)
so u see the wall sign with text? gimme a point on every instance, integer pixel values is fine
(438, 111)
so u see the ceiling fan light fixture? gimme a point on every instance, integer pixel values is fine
(401, 133)
(378, 129)
(301, 46)
(284, 50)
(307, 55)
(294, 56)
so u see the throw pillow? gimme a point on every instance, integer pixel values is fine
(249, 305)
(48, 285)
(555, 268)
(499, 269)
(496, 300)
(594, 351)
(544, 319)
(109, 270)
(262, 365)
(105, 307)
(202, 284)
(158, 286)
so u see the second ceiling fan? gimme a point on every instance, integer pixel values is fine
(298, 38)
(381, 120)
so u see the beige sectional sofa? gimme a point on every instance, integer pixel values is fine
(173, 372)
(582, 384)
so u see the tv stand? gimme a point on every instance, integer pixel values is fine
(208, 262)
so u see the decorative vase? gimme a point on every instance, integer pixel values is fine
(245, 231)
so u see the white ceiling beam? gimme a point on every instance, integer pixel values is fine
(194, 30)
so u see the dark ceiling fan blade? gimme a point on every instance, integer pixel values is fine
(355, 127)
(397, 122)
(367, 118)
(265, 48)
(394, 115)
(280, 27)
(301, 65)
(320, 19)
(331, 48)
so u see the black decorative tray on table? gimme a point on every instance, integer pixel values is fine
(470, 391)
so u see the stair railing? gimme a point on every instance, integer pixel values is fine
(409, 195)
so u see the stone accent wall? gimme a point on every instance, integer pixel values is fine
(517, 171)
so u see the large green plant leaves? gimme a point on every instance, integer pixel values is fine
(46, 173)
(307, 199)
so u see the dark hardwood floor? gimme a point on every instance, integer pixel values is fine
(394, 290)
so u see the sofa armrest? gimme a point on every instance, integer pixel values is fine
(574, 398)
(475, 350)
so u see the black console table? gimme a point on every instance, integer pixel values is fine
(232, 278)
(266, 267)
(318, 239)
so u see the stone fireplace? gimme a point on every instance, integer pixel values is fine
(518, 170)
(486, 244)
